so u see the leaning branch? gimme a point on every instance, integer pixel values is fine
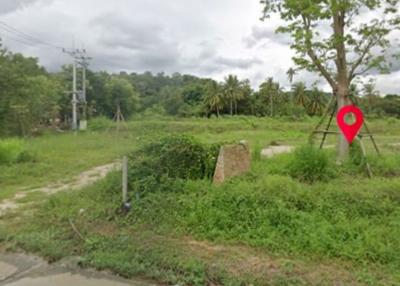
(311, 53)
(360, 60)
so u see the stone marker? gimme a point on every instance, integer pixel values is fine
(233, 160)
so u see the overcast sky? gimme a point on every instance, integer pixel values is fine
(208, 38)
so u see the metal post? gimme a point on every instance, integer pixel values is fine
(74, 98)
(125, 180)
(83, 121)
(369, 171)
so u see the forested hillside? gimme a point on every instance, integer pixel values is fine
(32, 98)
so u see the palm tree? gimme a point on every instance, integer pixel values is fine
(232, 91)
(317, 102)
(243, 94)
(291, 73)
(269, 90)
(299, 94)
(214, 97)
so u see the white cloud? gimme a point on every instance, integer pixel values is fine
(204, 37)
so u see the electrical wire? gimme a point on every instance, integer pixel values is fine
(25, 37)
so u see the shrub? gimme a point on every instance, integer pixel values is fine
(162, 164)
(310, 164)
(381, 165)
(356, 155)
(256, 152)
(101, 123)
(14, 151)
(386, 166)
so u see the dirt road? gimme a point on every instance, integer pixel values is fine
(26, 270)
(82, 180)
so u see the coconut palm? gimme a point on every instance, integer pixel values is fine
(270, 90)
(299, 94)
(317, 102)
(214, 97)
(232, 91)
(291, 73)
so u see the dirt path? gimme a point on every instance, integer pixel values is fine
(82, 180)
(28, 270)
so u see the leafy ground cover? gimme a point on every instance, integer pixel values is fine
(272, 226)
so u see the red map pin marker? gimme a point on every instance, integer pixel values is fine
(350, 131)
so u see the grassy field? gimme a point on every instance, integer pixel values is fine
(264, 228)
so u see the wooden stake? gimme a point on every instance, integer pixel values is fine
(125, 180)
(365, 157)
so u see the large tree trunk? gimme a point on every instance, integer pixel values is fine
(231, 107)
(342, 144)
(343, 81)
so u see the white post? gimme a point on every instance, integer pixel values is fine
(125, 180)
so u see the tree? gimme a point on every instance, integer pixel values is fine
(291, 73)
(28, 95)
(232, 92)
(245, 97)
(120, 93)
(356, 44)
(371, 95)
(299, 94)
(214, 97)
(316, 103)
(270, 90)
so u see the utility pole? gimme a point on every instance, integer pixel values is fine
(74, 101)
(84, 62)
(79, 57)
(74, 98)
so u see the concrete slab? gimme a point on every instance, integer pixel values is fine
(7, 270)
(275, 150)
(29, 270)
(68, 279)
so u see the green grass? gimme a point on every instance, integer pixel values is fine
(13, 151)
(60, 157)
(297, 226)
(264, 228)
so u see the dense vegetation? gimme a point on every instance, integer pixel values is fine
(294, 219)
(32, 98)
(184, 230)
(158, 165)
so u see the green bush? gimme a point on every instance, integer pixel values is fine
(101, 123)
(385, 166)
(310, 164)
(381, 165)
(14, 151)
(164, 163)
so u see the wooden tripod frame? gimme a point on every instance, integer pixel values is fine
(331, 110)
(120, 119)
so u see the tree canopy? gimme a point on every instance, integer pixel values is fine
(32, 98)
(338, 39)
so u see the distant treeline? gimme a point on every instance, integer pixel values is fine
(32, 98)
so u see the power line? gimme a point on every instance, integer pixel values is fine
(24, 36)
(79, 58)
(17, 40)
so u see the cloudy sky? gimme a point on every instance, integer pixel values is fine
(209, 38)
